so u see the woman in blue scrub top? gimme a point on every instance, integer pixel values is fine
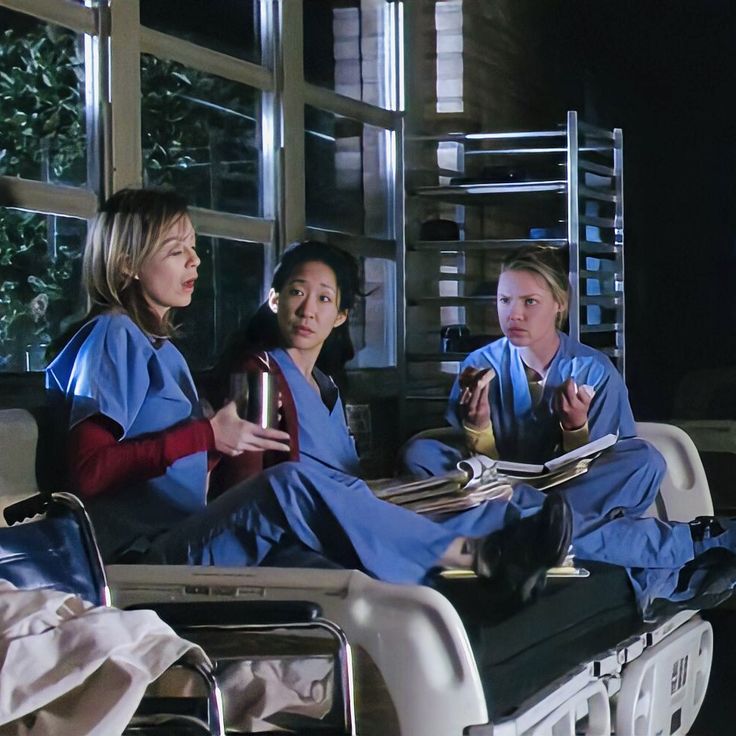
(536, 393)
(138, 445)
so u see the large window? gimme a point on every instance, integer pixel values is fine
(232, 27)
(276, 120)
(201, 136)
(352, 53)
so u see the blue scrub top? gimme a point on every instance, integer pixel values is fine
(528, 433)
(324, 436)
(111, 367)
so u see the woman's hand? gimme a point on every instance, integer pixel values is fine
(573, 403)
(475, 406)
(234, 435)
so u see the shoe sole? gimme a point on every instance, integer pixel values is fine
(556, 515)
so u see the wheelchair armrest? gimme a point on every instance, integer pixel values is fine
(234, 613)
(26, 509)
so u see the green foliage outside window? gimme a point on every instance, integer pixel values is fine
(43, 138)
(199, 136)
(41, 105)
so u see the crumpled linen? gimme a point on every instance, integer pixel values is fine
(254, 691)
(68, 667)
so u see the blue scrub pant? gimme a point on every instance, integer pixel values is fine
(609, 504)
(328, 511)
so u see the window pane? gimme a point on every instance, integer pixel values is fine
(229, 26)
(41, 101)
(346, 47)
(229, 290)
(346, 175)
(40, 267)
(201, 136)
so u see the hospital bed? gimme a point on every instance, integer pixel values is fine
(578, 660)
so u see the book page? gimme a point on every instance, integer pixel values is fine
(583, 451)
(561, 475)
(529, 471)
(509, 466)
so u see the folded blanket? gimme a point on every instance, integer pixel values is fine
(68, 667)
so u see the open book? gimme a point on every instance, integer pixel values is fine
(479, 478)
(587, 450)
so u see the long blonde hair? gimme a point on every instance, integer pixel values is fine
(546, 263)
(125, 233)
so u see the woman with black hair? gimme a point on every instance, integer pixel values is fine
(247, 352)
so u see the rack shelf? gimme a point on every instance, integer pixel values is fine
(605, 327)
(453, 246)
(453, 191)
(567, 182)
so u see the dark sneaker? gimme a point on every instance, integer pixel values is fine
(712, 532)
(518, 556)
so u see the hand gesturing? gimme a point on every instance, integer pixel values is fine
(573, 402)
(234, 435)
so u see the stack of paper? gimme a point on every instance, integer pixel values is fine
(474, 482)
(479, 479)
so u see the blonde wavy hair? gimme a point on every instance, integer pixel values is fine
(545, 262)
(125, 233)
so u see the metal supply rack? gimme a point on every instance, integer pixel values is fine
(496, 187)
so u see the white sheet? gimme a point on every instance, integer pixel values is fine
(67, 667)
(254, 691)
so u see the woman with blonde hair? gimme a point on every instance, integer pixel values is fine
(138, 445)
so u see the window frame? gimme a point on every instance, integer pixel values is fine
(114, 42)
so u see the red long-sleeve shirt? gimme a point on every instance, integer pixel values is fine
(99, 462)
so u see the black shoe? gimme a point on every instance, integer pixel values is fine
(518, 556)
(705, 527)
(712, 532)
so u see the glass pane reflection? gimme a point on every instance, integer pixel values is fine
(41, 101)
(346, 48)
(201, 136)
(229, 26)
(228, 292)
(40, 273)
(346, 174)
